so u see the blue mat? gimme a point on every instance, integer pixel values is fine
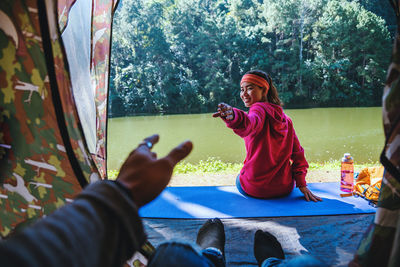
(226, 202)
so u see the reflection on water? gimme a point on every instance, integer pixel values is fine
(325, 134)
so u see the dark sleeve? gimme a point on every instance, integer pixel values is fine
(100, 228)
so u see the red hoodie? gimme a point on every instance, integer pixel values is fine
(274, 156)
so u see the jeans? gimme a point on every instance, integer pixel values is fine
(304, 261)
(183, 254)
(239, 186)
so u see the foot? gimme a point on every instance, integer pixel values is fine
(266, 246)
(212, 234)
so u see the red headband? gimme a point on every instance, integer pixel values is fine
(255, 79)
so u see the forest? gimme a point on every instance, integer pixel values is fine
(186, 56)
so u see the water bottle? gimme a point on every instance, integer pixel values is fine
(347, 173)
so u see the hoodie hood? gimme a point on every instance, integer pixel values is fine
(277, 119)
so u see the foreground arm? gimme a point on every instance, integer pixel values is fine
(102, 226)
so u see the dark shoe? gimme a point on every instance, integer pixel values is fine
(212, 234)
(266, 246)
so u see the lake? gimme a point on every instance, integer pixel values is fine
(325, 134)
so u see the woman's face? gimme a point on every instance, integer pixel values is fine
(250, 94)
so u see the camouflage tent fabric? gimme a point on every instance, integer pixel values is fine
(102, 15)
(63, 8)
(43, 153)
(381, 243)
(92, 49)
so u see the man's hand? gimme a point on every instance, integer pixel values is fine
(224, 111)
(145, 175)
(309, 195)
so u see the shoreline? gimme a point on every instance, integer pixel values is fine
(222, 179)
(217, 173)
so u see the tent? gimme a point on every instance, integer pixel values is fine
(52, 137)
(54, 68)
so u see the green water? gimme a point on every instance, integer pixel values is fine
(325, 134)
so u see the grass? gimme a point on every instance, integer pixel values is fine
(217, 166)
(335, 165)
(211, 165)
(112, 174)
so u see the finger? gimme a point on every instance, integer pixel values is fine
(306, 196)
(179, 152)
(312, 197)
(317, 198)
(152, 139)
(223, 106)
(216, 114)
(148, 142)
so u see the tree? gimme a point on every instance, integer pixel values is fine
(349, 43)
(186, 56)
(384, 10)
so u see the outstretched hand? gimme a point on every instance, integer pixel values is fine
(224, 111)
(145, 175)
(309, 195)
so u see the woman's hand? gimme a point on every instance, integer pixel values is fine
(309, 195)
(145, 175)
(224, 111)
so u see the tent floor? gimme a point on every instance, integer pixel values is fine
(333, 239)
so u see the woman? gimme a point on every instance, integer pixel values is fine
(275, 160)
